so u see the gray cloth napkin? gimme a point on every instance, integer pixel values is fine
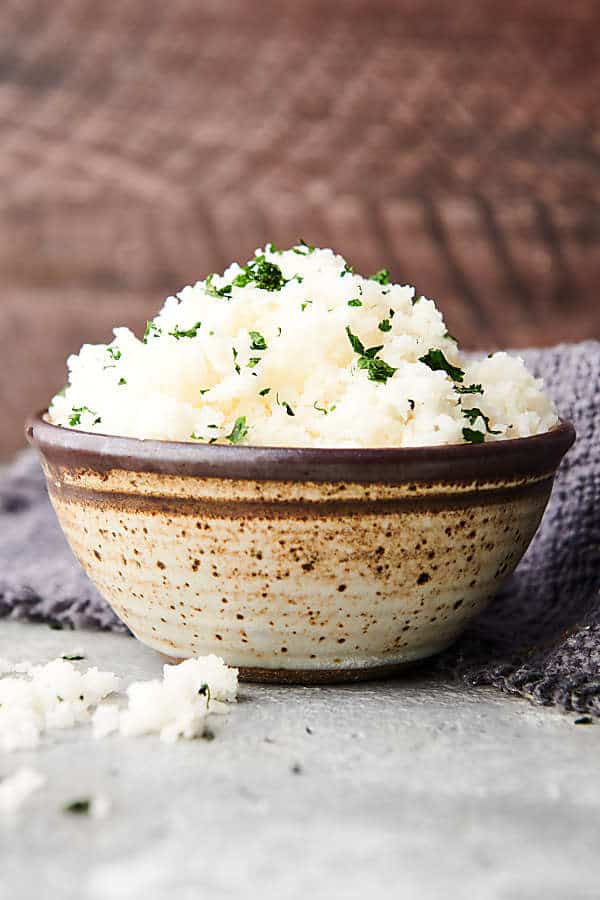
(540, 637)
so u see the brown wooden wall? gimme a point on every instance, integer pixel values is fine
(144, 143)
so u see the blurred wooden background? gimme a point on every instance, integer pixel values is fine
(145, 143)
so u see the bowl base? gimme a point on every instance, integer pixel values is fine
(259, 675)
(326, 676)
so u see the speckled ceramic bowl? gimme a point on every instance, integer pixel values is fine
(297, 564)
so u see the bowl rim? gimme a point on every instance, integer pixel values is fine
(456, 463)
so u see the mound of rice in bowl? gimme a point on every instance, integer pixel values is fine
(295, 349)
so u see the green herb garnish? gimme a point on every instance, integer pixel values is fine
(204, 391)
(80, 807)
(355, 302)
(78, 411)
(324, 409)
(378, 369)
(116, 354)
(473, 437)
(266, 275)
(257, 341)
(178, 333)
(213, 291)
(204, 690)
(253, 361)
(385, 325)
(264, 392)
(469, 389)
(239, 431)
(347, 270)
(235, 362)
(436, 360)
(122, 381)
(285, 405)
(303, 249)
(305, 304)
(473, 414)
(382, 277)
(72, 657)
(151, 330)
(271, 248)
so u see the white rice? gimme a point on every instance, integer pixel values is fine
(36, 700)
(278, 367)
(177, 706)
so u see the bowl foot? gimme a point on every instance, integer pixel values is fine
(259, 675)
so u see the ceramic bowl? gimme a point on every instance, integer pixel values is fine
(297, 564)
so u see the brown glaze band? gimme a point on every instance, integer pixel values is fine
(454, 463)
(298, 509)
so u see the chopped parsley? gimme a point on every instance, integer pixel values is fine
(377, 369)
(385, 325)
(471, 415)
(266, 275)
(285, 405)
(355, 302)
(122, 381)
(469, 388)
(473, 437)
(152, 330)
(436, 360)
(78, 411)
(235, 362)
(80, 807)
(324, 409)
(213, 291)
(239, 431)
(264, 392)
(392, 313)
(359, 347)
(257, 341)
(192, 332)
(253, 361)
(116, 354)
(303, 249)
(305, 304)
(204, 391)
(271, 248)
(382, 277)
(204, 691)
(347, 270)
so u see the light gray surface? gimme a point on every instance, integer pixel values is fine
(412, 788)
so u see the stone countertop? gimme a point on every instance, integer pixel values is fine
(413, 788)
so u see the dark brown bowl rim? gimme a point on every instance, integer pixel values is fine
(448, 463)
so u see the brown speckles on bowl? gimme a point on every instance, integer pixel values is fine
(339, 563)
